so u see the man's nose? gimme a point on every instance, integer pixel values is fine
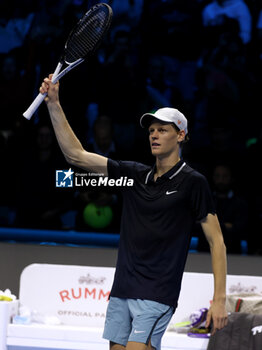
(154, 135)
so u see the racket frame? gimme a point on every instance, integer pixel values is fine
(57, 74)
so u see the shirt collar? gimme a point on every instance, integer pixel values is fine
(170, 174)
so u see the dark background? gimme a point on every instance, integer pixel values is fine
(157, 54)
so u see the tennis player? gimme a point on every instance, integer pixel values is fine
(159, 211)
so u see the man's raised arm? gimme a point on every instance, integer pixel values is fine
(70, 145)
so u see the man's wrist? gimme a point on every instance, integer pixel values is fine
(219, 299)
(53, 104)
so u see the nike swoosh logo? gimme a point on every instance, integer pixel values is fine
(135, 331)
(170, 192)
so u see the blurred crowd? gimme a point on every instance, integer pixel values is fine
(203, 57)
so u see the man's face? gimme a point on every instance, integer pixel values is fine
(44, 138)
(163, 139)
(222, 179)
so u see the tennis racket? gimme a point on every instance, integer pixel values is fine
(83, 41)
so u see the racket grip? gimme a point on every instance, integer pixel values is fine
(34, 105)
(40, 98)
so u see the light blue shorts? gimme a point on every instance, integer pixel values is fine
(136, 320)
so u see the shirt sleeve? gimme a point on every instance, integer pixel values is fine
(126, 173)
(117, 169)
(202, 202)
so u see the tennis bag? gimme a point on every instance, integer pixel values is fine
(250, 303)
(243, 332)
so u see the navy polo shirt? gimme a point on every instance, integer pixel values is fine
(156, 226)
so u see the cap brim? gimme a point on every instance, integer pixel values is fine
(147, 118)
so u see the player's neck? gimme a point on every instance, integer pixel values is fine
(164, 164)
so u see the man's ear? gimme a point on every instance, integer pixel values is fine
(181, 135)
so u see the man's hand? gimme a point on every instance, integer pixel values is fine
(217, 316)
(51, 90)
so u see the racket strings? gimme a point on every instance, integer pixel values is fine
(88, 34)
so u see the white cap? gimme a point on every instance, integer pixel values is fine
(166, 114)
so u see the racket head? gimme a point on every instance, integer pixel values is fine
(88, 34)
